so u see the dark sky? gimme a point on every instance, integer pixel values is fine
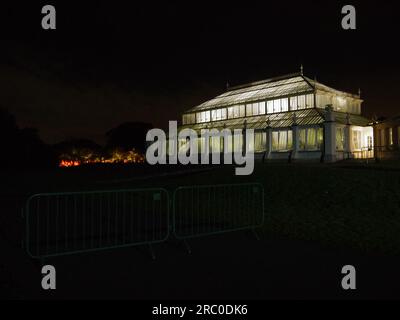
(115, 61)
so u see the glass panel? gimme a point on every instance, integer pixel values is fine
(290, 140)
(242, 111)
(339, 139)
(223, 114)
(262, 91)
(310, 101)
(283, 140)
(284, 105)
(275, 140)
(217, 114)
(249, 110)
(311, 139)
(293, 103)
(277, 105)
(270, 106)
(323, 100)
(207, 116)
(214, 115)
(357, 139)
(231, 112)
(262, 107)
(255, 109)
(301, 102)
(260, 139)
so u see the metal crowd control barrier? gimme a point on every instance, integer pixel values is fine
(70, 223)
(206, 210)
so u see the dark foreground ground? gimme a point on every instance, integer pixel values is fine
(318, 219)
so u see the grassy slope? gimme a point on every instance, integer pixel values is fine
(341, 206)
(354, 206)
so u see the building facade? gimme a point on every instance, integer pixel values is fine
(387, 138)
(293, 117)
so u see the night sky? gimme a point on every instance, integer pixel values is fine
(114, 61)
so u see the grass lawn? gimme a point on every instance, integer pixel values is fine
(346, 205)
(318, 218)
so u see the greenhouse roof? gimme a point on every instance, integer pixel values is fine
(304, 117)
(292, 84)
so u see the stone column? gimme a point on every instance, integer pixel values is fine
(330, 135)
(244, 140)
(347, 138)
(268, 146)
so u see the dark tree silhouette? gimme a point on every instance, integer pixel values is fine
(22, 147)
(128, 136)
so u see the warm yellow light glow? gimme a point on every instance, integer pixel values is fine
(118, 156)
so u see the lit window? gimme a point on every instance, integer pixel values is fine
(260, 141)
(277, 105)
(262, 107)
(340, 139)
(310, 101)
(270, 106)
(323, 100)
(236, 112)
(231, 112)
(356, 139)
(282, 140)
(301, 102)
(310, 139)
(284, 105)
(341, 104)
(390, 136)
(255, 109)
(219, 114)
(242, 111)
(203, 117)
(249, 110)
(189, 118)
(293, 103)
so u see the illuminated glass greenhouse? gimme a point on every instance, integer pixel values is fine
(292, 116)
